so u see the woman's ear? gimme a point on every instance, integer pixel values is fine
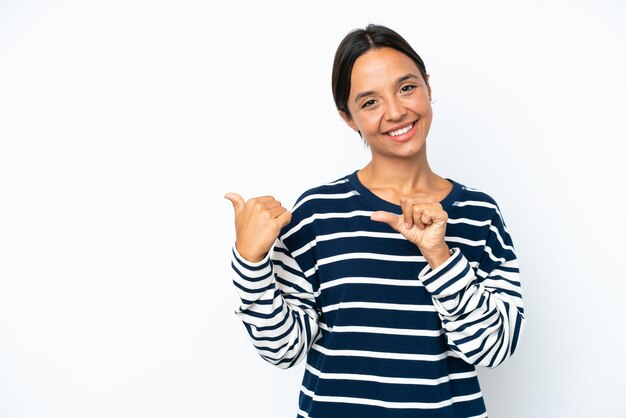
(347, 119)
(430, 96)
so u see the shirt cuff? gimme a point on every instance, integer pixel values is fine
(247, 263)
(448, 278)
(251, 279)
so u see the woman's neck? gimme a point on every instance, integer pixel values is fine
(400, 176)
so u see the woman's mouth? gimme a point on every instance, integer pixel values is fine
(401, 134)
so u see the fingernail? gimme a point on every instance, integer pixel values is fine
(407, 226)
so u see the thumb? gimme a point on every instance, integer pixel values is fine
(392, 220)
(237, 201)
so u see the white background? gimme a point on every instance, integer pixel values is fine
(123, 124)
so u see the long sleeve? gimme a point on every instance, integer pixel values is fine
(480, 302)
(278, 306)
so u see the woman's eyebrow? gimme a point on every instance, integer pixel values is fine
(406, 77)
(363, 94)
(400, 80)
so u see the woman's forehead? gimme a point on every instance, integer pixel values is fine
(382, 66)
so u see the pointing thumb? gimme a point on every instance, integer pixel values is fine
(388, 218)
(237, 201)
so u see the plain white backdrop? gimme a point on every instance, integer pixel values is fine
(123, 124)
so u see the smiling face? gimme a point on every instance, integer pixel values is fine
(389, 103)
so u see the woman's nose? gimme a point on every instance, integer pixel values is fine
(394, 110)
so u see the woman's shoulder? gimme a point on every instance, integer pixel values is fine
(475, 194)
(316, 202)
(315, 196)
(476, 203)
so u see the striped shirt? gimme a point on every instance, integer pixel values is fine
(384, 335)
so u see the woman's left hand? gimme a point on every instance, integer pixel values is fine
(423, 222)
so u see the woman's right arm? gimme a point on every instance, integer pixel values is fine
(278, 306)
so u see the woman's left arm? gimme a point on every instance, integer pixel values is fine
(480, 303)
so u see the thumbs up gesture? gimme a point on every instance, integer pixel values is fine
(257, 223)
(423, 222)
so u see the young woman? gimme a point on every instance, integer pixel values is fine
(392, 281)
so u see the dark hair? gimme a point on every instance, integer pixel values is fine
(357, 43)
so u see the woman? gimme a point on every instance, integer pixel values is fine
(393, 282)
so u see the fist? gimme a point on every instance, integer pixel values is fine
(257, 224)
(423, 222)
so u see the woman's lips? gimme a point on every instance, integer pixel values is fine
(404, 134)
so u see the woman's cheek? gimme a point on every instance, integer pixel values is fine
(372, 122)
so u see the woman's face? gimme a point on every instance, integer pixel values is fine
(389, 102)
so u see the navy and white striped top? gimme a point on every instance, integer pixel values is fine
(383, 334)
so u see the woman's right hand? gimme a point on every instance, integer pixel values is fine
(257, 224)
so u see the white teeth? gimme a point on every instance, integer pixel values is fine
(400, 131)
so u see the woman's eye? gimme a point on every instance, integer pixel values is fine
(408, 87)
(368, 103)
